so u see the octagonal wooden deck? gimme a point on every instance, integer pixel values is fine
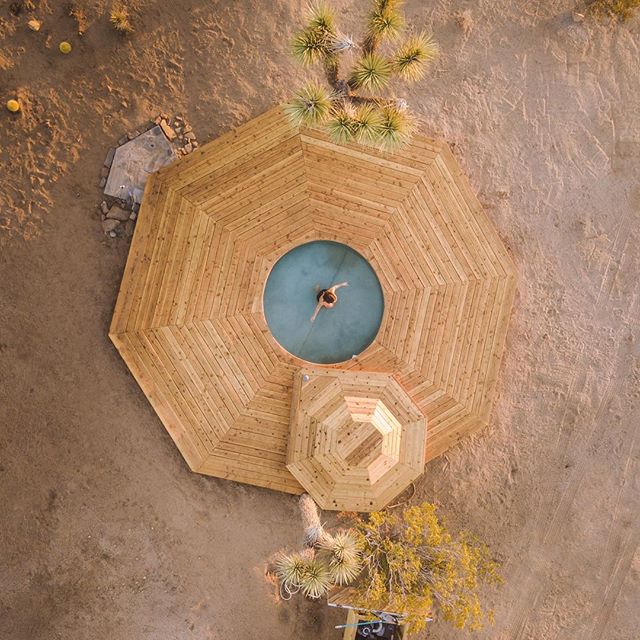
(189, 320)
(356, 439)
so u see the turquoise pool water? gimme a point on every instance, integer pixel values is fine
(289, 301)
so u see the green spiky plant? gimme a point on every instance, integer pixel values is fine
(290, 569)
(315, 580)
(336, 560)
(327, 560)
(354, 108)
(310, 105)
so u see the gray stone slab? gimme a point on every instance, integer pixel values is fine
(134, 161)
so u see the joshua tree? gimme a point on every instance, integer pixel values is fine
(352, 109)
(326, 560)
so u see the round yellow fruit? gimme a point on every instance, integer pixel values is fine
(13, 106)
(64, 47)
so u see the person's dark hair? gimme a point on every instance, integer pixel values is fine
(329, 296)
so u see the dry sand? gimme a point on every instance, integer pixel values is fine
(106, 534)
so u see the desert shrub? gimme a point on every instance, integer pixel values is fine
(358, 107)
(414, 566)
(618, 9)
(78, 13)
(120, 18)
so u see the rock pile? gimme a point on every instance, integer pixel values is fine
(118, 216)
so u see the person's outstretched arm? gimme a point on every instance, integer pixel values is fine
(337, 286)
(317, 311)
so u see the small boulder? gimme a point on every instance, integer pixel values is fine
(167, 130)
(104, 207)
(109, 159)
(109, 226)
(117, 213)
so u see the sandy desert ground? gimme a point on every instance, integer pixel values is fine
(104, 532)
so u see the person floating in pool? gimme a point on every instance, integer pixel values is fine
(327, 298)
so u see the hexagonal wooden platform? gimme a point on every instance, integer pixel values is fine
(356, 440)
(189, 321)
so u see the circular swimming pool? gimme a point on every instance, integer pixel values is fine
(290, 298)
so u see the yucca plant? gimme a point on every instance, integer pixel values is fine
(289, 569)
(310, 46)
(396, 127)
(385, 22)
(371, 72)
(371, 119)
(327, 560)
(315, 579)
(340, 125)
(321, 16)
(345, 561)
(318, 40)
(311, 105)
(345, 571)
(344, 545)
(410, 60)
(366, 123)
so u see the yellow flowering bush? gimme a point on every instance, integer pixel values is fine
(413, 565)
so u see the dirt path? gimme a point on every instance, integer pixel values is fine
(106, 534)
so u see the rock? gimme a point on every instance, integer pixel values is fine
(167, 130)
(104, 207)
(129, 226)
(133, 215)
(123, 140)
(109, 159)
(103, 182)
(104, 172)
(34, 25)
(157, 120)
(108, 226)
(136, 207)
(187, 128)
(113, 234)
(117, 213)
(190, 136)
(133, 134)
(188, 148)
(194, 144)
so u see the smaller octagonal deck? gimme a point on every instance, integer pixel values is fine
(356, 440)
